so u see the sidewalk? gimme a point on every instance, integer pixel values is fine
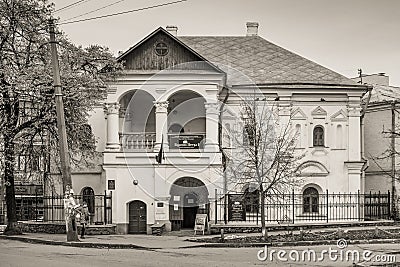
(171, 240)
(110, 241)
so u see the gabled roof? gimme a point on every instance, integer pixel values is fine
(262, 61)
(160, 29)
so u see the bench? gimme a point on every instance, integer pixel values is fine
(157, 229)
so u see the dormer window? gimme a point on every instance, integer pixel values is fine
(161, 49)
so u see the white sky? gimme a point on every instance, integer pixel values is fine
(343, 35)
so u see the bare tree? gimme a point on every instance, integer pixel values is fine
(27, 105)
(263, 153)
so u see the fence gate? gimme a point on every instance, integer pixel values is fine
(377, 206)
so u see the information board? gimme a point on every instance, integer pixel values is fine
(236, 209)
(200, 223)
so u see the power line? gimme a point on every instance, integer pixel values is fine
(70, 5)
(124, 12)
(90, 12)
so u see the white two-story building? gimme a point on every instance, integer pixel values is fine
(169, 98)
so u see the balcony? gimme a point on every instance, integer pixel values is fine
(137, 141)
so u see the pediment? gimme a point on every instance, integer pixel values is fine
(319, 112)
(312, 168)
(339, 116)
(298, 114)
(159, 51)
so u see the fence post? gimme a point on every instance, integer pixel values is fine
(110, 208)
(327, 205)
(216, 205)
(52, 205)
(36, 211)
(379, 205)
(388, 201)
(358, 204)
(105, 207)
(293, 212)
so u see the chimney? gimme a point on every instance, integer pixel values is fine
(172, 30)
(252, 28)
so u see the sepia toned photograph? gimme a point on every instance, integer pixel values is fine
(199, 133)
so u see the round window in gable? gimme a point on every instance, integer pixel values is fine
(161, 49)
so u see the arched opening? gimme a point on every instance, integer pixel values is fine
(310, 200)
(186, 120)
(89, 198)
(137, 217)
(137, 120)
(318, 136)
(189, 196)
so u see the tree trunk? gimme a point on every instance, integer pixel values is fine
(12, 224)
(262, 205)
(71, 228)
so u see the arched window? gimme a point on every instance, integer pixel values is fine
(88, 197)
(248, 135)
(251, 199)
(310, 200)
(318, 136)
(339, 136)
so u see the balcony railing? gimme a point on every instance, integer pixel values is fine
(137, 141)
(186, 141)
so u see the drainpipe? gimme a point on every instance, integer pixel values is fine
(362, 125)
(222, 151)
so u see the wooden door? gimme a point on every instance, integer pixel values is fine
(137, 217)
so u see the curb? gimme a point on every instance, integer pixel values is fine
(202, 245)
(75, 244)
(293, 244)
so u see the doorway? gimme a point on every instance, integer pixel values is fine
(190, 208)
(188, 194)
(137, 217)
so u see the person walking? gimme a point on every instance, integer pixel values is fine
(84, 219)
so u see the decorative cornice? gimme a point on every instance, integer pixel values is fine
(319, 113)
(111, 108)
(161, 106)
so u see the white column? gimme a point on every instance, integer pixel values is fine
(354, 164)
(161, 125)
(212, 119)
(112, 112)
(354, 133)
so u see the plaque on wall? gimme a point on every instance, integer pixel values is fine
(111, 184)
(236, 209)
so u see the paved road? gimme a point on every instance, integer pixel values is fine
(15, 253)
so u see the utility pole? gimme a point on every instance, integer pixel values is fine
(62, 136)
(393, 161)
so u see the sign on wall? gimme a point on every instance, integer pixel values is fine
(111, 184)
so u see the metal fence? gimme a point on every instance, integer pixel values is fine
(291, 208)
(51, 208)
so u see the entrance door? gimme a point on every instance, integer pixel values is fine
(137, 217)
(190, 207)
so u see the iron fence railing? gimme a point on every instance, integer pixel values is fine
(291, 207)
(51, 208)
